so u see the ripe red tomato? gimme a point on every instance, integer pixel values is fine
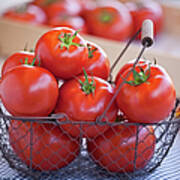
(97, 63)
(16, 59)
(86, 101)
(73, 22)
(115, 149)
(150, 96)
(55, 8)
(29, 91)
(62, 51)
(51, 149)
(29, 13)
(110, 19)
(142, 10)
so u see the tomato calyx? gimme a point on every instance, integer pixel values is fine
(21, 9)
(67, 40)
(139, 77)
(139, 5)
(120, 118)
(106, 17)
(26, 48)
(27, 63)
(48, 2)
(91, 50)
(86, 86)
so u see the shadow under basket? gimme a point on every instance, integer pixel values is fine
(83, 166)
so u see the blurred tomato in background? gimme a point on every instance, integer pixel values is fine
(110, 19)
(57, 7)
(27, 13)
(141, 10)
(115, 20)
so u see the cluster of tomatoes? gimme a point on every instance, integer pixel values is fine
(118, 20)
(67, 76)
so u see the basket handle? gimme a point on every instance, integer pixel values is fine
(147, 40)
(147, 34)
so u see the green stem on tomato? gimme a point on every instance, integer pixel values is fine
(67, 40)
(27, 63)
(106, 17)
(140, 77)
(91, 50)
(22, 9)
(86, 86)
(48, 2)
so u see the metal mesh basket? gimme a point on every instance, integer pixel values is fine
(74, 159)
(40, 149)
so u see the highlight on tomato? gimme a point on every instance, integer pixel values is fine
(148, 95)
(84, 99)
(117, 148)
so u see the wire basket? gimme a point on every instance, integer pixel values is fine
(27, 146)
(82, 164)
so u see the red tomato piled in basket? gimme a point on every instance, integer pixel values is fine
(30, 88)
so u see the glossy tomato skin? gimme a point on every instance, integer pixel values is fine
(17, 59)
(30, 13)
(115, 150)
(51, 149)
(29, 91)
(110, 19)
(73, 22)
(149, 102)
(97, 63)
(142, 10)
(62, 62)
(79, 106)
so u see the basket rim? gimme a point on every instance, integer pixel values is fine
(53, 119)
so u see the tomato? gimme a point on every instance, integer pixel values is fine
(51, 149)
(148, 95)
(29, 13)
(142, 10)
(57, 7)
(115, 149)
(29, 91)
(86, 101)
(97, 63)
(62, 51)
(110, 20)
(73, 22)
(17, 59)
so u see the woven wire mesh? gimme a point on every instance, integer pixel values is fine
(73, 159)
